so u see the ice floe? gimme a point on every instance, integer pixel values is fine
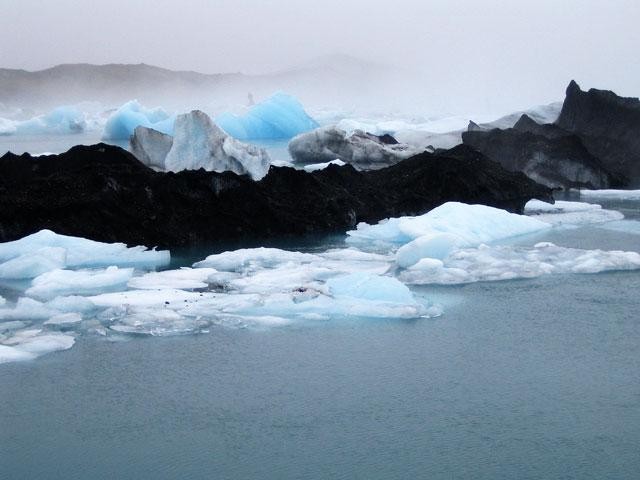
(34, 254)
(571, 213)
(491, 263)
(73, 293)
(611, 194)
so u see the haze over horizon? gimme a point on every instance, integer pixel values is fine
(502, 54)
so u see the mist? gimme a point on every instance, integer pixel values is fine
(446, 56)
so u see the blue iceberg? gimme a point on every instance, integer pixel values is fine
(279, 117)
(60, 121)
(124, 121)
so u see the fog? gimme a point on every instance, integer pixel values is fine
(446, 55)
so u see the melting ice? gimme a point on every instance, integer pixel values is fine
(64, 287)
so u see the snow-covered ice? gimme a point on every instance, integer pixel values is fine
(279, 117)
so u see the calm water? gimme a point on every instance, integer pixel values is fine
(528, 379)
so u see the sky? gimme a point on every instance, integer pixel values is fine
(528, 49)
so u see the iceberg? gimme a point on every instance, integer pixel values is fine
(151, 146)
(314, 167)
(29, 255)
(360, 149)
(279, 117)
(198, 143)
(63, 120)
(122, 123)
(472, 224)
(496, 263)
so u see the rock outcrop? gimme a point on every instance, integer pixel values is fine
(608, 125)
(544, 153)
(595, 142)
(104, 193)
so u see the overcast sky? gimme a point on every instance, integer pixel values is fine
(529, 45)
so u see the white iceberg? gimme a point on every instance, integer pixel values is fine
(32, 264)
(281, 116)
(151, 146)
(198, 143)
(495, 263)
(29, 257)
(122, 123)
(83, 282)
(32, 343)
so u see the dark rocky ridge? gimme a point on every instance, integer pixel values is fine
(608, 125)
(544, 153)
(102, 192)
(595, 143)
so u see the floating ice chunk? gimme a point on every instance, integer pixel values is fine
(626, 226)
(435, 245)
(123, 122)
(67, 282)
(281, 116)
(494, 263)
(13, 354)
(472, 224)
(84, 253)
(570, 213)
(360, 149)
(64, 319)
(200, 143)
(184, 279)
(36, 343)
(60, 121)
(611, 194)
(71, 304)
(151, 146)
(253, 258)
(145, 298)
(321, 166)
(370, 287)
(32, 264)
(537, 206)
(27, 309)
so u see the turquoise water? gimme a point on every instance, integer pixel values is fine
(526, 379)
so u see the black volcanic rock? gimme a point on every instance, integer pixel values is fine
(102, 192)
(608, 125)
(544, 153)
